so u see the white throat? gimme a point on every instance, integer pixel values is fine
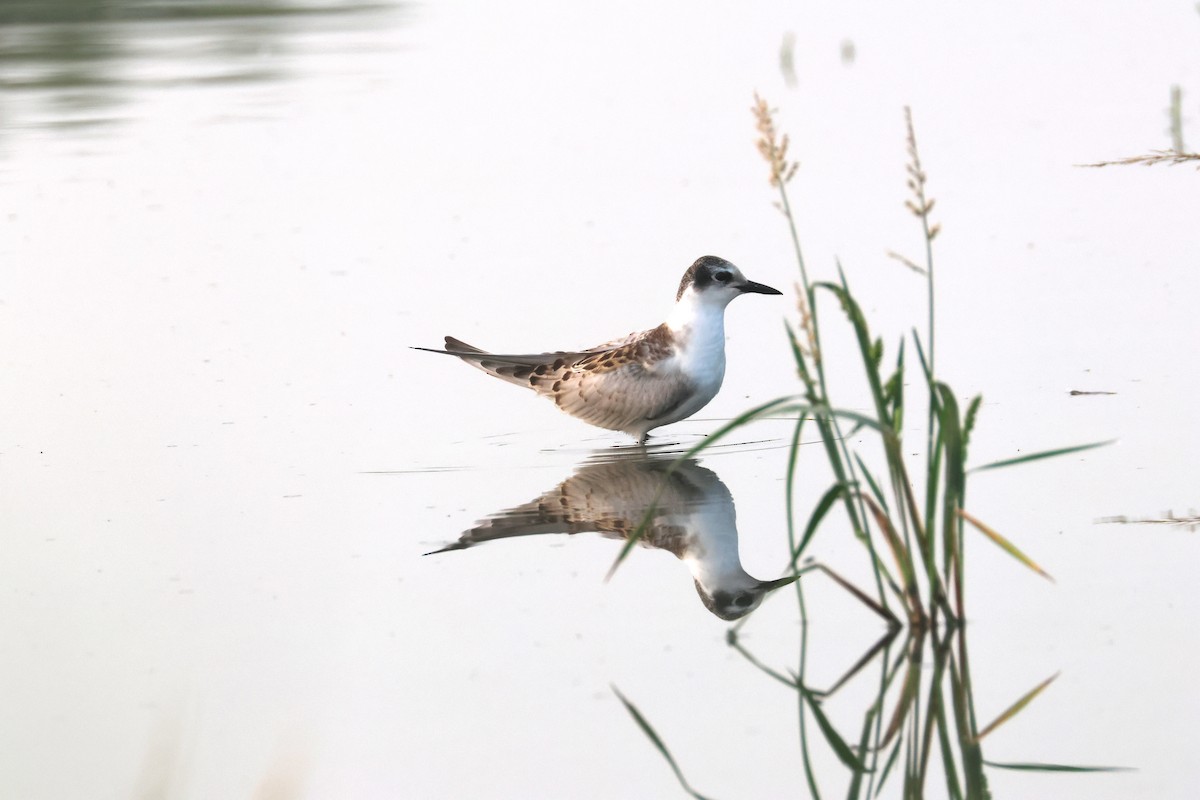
(712, 554)
(698, 324)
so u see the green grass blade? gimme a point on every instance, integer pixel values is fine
(860, 595)
(779, 405)
(1062, 451)
(1004, 544)
(932, 487)
(921, 356)
(801, 362)
(840, 748)
(949, 767)
(856, 787)
(657, 742)
(904, 704)
(969, 420)
(1015, 708)
(1036, 767)
(873, 484)
(895, 391)
(863, 661)
(797, 351)
(831, 496)
(902, 557)
(790, 490)
(933, 459)
(887, 767)
(975, 781)
(782, 405)
(950, 436)
(801, 704)
(853, 416)
(868, 350)
(746, 654)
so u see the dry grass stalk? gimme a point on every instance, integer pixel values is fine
(920, 205)
(806, 324)
(1191, 522)
(773, 147)
(908, 262)
(1169, 157)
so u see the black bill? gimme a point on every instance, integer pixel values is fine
(758, 288)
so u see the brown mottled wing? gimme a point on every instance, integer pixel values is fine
(622, 388)
(616, 385)
(523, 369)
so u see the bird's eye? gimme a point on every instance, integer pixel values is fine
(722, 277)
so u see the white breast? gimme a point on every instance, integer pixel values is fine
(699, 330)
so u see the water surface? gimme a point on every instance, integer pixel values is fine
(220, 465)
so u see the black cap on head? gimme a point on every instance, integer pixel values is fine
(702, 273)
(710, 270)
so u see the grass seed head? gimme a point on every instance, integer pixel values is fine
(919, 204)
(771, 146)
(806, 324)
(1169, 157)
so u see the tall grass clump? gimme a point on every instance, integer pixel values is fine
(912, 533)
(910, 516)
(914, 539)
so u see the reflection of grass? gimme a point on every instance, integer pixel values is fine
(919, 724)
(923, 711)
(658, 743)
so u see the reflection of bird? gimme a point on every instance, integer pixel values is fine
(693, 518)
(646, 379)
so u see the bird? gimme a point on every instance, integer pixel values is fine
(641, 381)
(691, 516)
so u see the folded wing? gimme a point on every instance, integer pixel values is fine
(619, 385)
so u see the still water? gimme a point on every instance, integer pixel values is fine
(221, 467)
